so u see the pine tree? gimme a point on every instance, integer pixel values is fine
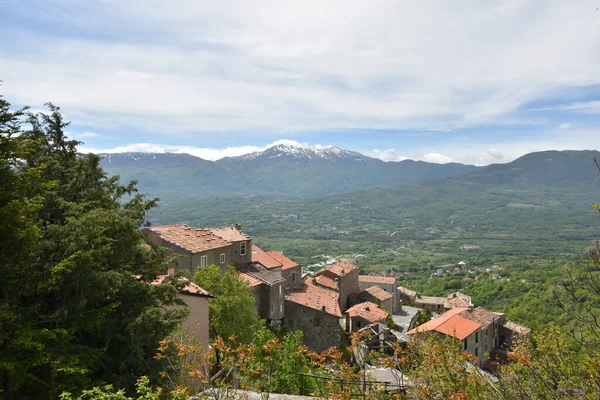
(75, 309)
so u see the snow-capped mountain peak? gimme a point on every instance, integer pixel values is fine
(306, 154)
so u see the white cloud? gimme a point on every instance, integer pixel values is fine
(437, 158)
(387, 155)
(564, 126)
(203, 67)
(585, 107)
(87, 135)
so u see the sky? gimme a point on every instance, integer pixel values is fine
(469, 81)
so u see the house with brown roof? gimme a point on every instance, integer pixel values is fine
(314, 309)
(363, 314)
(457, 300)
(386, 283)
(226, 246)
(345, 277)
(406, 295)
(241, 243)
(374, 294)
(481, 331)
(291, 270)
(195, 247)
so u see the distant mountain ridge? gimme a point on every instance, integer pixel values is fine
(329, 153)
(292, 171)
(282, 170)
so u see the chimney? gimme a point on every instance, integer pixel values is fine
(238, 226)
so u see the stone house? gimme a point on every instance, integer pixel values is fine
(195, 247)
(431, 303)
(241, 243)
(226, 246)
(363, 314)
(342, 277)
(374, 294)
(386, 283)
(291, 270)
(314, 308)
(267, 289)
(481, 331)
(406, 295)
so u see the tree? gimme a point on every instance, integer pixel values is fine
(75, 309)
(232, 312)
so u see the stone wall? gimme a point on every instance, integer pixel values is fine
(321, 330)
(292, 276)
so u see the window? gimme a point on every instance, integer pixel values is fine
(281, 308)
(476, 337)
(243, 248)
(222, 258)
(477, 351)
(358, 324)
(280, 290)
(272, 309)
(465, 344)
(293, 276)
(203, 261)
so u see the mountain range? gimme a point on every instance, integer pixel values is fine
(279, 170)
(291, 191)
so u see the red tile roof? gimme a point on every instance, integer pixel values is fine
(258, 255)
(286, 262)
(192, 240)
(456, 300)
(327, 282)
(379, 293)
(315, 296)
(480, 315)
(339, 269)
(407, 292)
(450, 323)
(189, 287)
(230, 233)
(367, 311)
(252, 281)
(377, 279)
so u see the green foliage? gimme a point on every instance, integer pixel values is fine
(232, 312)
(73, 312)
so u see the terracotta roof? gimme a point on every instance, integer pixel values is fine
(189, 287)
(230, 233)
(520, 329)
(367, 311)
(480, 315)
(457, 299)
(407, 291)
(261, 273)
(379, 293)
(286, 262)
(192, 240)
(339, 269)
(258, 255)
(252, 281)
(377, 279)
(450, 323)
(317, 297)
(327, 282)
(431, 300)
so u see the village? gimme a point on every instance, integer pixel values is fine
(330, 304)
